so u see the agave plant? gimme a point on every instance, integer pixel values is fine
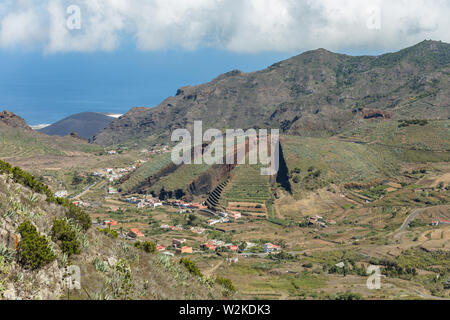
(6, 253)
(10, 213)
(33, 197)
(100, 265)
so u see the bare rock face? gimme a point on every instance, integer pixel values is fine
(12, 120)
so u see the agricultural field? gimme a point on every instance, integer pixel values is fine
(248, 191)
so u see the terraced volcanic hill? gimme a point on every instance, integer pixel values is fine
(317, 93)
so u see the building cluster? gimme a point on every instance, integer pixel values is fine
(197, 230)
(156, 150)
(81, 204)
(179, 246)
(135, 233)
(185, 205)
(173, 228)
(317, 221)
(61, 194)
(113, 174)
(144, 202)
(212, 245)
(439, 222)
(225, 217)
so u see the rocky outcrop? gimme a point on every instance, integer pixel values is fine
(12, 120)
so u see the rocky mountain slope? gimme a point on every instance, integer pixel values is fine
(43, 239)
(85, 124)
(317, 93)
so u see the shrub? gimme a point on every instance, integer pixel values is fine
(191, 267)
(348, 296)
(64, 232)
(26, 179)
(110, 233)
(226, 283)
(147, 246)
(34, 250)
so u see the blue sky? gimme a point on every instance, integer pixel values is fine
(59, 57)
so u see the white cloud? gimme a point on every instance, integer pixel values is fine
(235, 25)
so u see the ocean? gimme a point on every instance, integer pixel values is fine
(46, 88)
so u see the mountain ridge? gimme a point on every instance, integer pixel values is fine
(316, 93)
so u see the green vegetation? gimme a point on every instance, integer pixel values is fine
(316, 162)
(64, 232)
(227, 284)
(109, 232)
(34, 249)
(406, 123)
(180, 178)
(347, 296)
(147, 246)
(28, 180)
(191, 267)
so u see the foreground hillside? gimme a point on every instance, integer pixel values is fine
(317, 93)
(41, 235)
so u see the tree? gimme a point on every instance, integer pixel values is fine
(64, 232)
(76, 179)
(34, 249)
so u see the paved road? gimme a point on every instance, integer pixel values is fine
(84, 191)
(410, 218)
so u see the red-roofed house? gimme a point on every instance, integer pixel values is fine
(269, 247)
(209, 246)
(134, 233)
(184, 249)
(110, 222)
(233, 248)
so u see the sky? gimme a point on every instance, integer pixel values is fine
(59, 57)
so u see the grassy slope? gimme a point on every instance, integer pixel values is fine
(20, 143)
(338, 161)
(180, 178)
(414, 143)
(146, 170)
